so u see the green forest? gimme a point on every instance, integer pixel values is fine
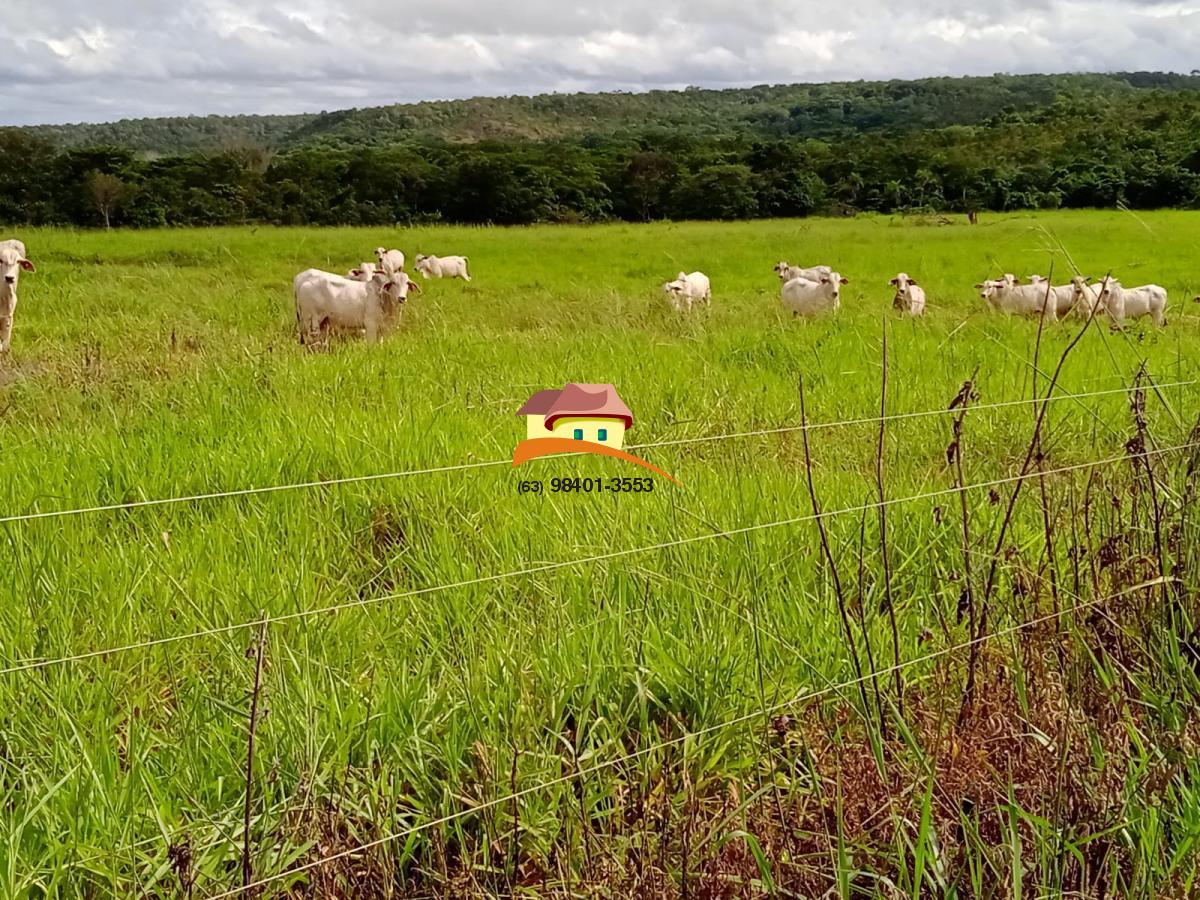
(944, 144)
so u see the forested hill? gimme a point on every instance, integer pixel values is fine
(967, 144)
(797, 110)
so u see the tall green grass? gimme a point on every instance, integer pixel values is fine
(165, 363)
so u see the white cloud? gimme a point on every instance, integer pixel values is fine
(72, 60)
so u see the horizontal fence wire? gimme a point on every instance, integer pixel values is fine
(35, 664)
(804, 697)
(496, 463)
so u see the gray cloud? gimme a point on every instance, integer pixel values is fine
(92, 61)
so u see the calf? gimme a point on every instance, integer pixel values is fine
(1064, 295)
(390, 261)
(443, 267)
(687, 290)
(325, 300)
(12, 263)
(1008, 295)
(364, 272)
(812, 298)
(910, 297)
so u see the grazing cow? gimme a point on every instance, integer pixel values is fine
(1008, 295)
(812, 298)
(1064, 295)
(687, 290)
(364, 272)
(12, 263)
(390, 261)
(325, 300)
(787, 272)
(443, 266)
(1134, 303)
(910, 297)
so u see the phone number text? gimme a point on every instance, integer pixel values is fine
(588, 486)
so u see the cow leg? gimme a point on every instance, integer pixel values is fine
(371, 321)
(6, 325)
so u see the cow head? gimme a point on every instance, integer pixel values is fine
(12, 263)
(833, 283)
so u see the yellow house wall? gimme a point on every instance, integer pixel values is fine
(565, 428)
(536, 427)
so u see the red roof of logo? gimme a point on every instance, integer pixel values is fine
(589, 401)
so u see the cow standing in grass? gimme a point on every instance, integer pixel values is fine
(806, 298)
(910, 297)
(687, 290)
(325, 301)
(12, 263)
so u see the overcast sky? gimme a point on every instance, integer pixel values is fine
(97, 60)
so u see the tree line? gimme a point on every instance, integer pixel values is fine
(1140, 149)
(830, 110)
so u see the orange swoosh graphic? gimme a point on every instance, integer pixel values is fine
(536, 448)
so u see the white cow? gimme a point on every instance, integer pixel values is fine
(390, 261)
(1064, 295)
(1008, 295)
(687, 290)
(788, 272)
(12, 263)
(325, 300)
(812, 298)
(443, 266)
(910, 296)
(1134, 303)
(1089, 299)
(365, 272)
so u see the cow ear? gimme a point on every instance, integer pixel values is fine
(895, 281)
(27, 265)
(911, 281)
(845, 281)
(979, 287)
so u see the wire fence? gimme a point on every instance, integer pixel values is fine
(617, 762)
(830, 688)
(35, 664)
(496, 463)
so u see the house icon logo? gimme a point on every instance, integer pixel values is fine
(580, 418)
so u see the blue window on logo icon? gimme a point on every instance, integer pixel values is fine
(579, 434)
(602, 435)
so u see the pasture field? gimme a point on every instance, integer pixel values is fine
(162, 364)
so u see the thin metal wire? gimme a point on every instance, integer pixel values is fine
(30, 665)
(491, 464)
(630, 757)
(896, 417)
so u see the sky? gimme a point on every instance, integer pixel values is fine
(100, 60)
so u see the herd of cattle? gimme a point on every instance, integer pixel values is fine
(365, 298)
(368, 297)
(814, 290)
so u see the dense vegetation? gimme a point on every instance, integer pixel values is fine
(1000, 143)
(162, 363)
